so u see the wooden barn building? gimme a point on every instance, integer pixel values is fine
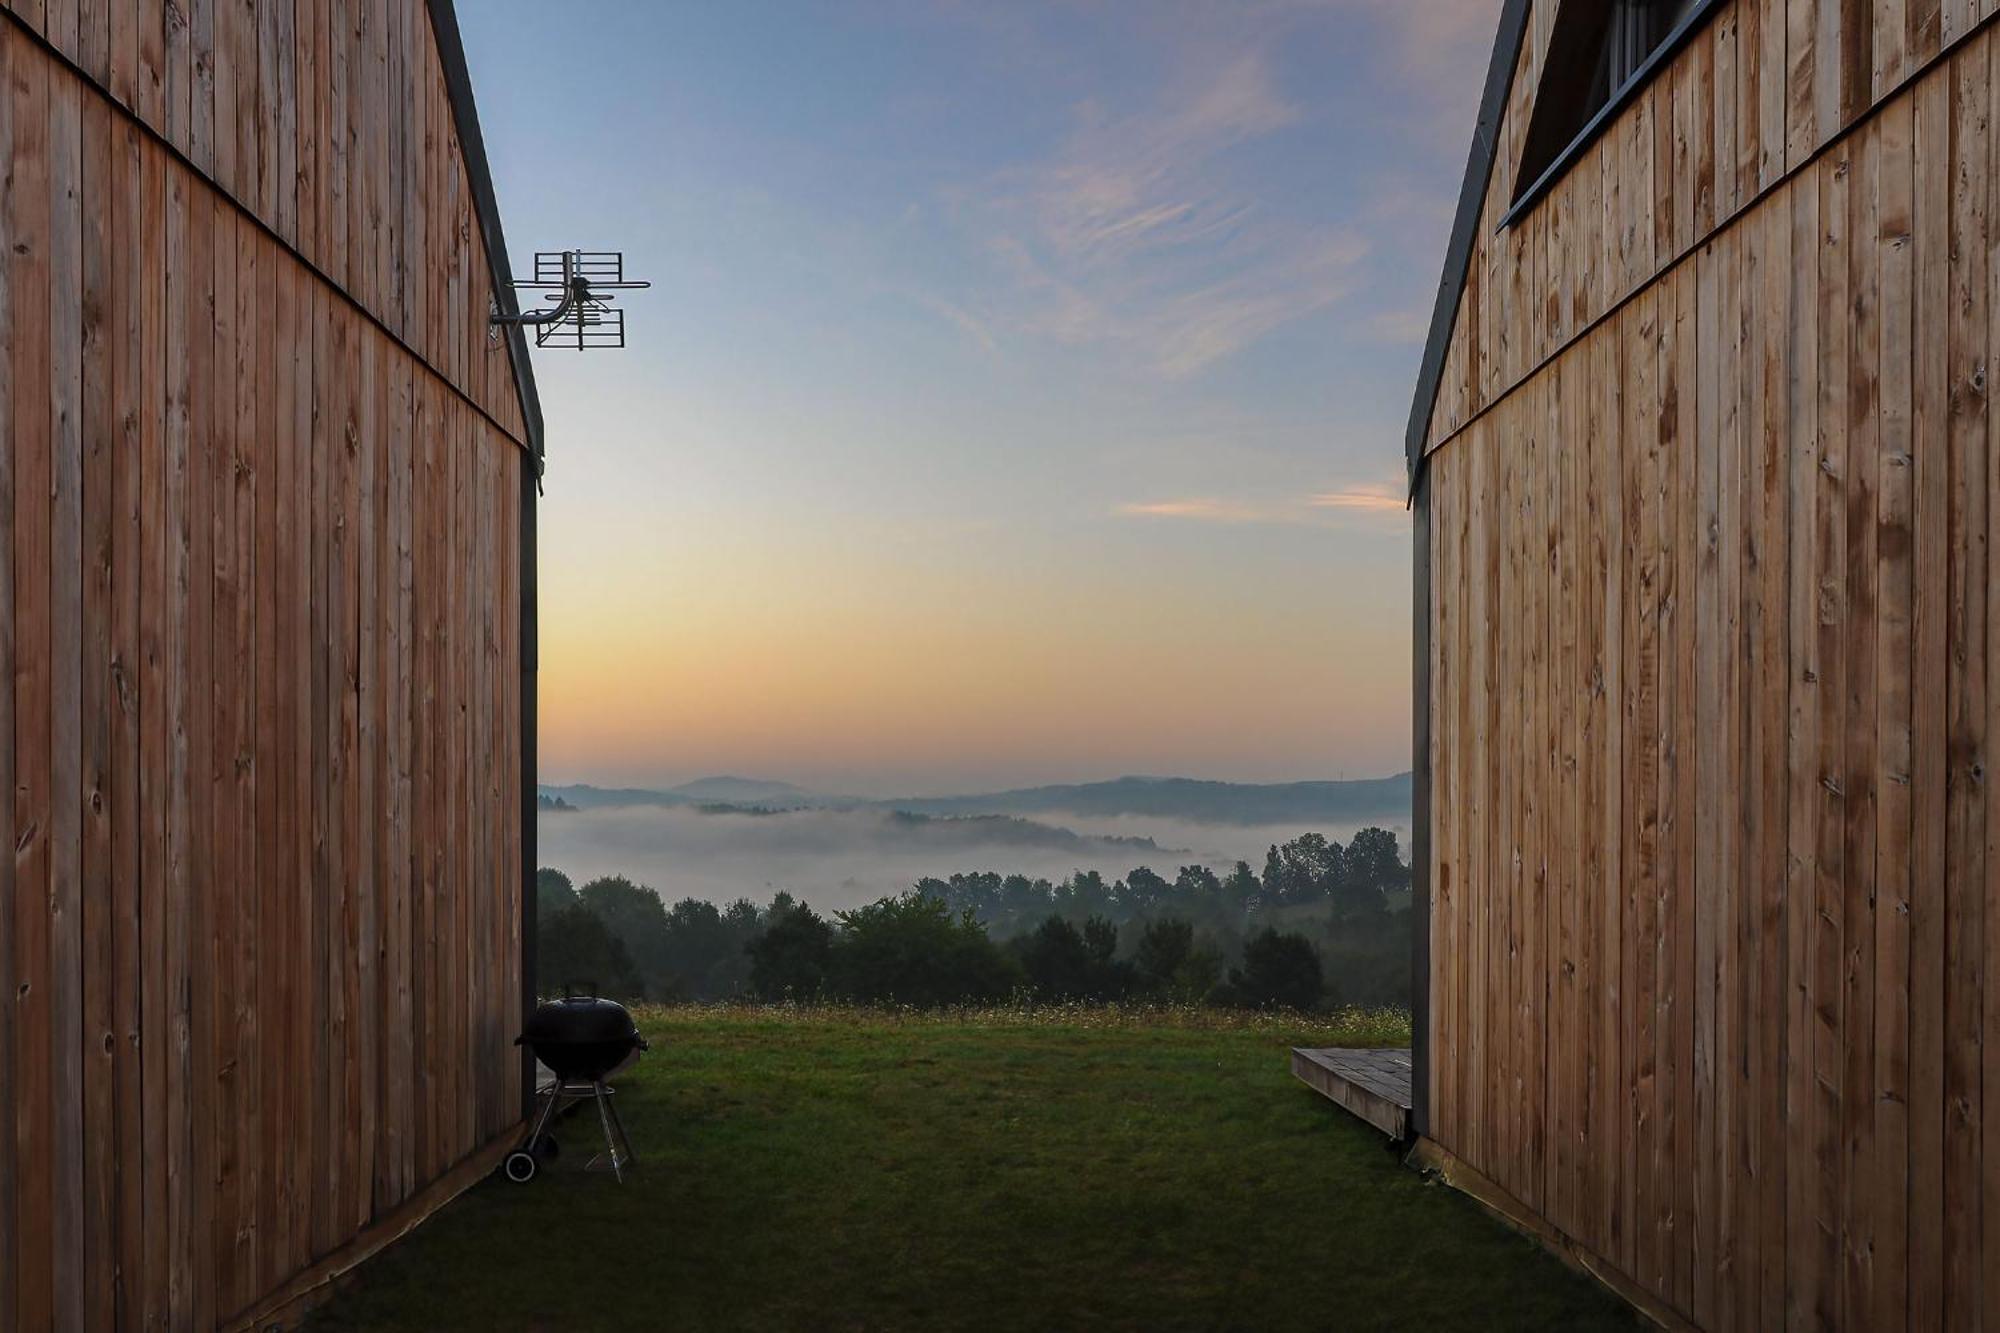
(1708, 657)
(266, 650)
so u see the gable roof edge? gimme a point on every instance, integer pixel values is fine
(1464, 227)
(472, 146)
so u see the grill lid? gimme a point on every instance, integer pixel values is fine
(580, 1018)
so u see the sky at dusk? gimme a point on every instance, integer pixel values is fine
(1021, 393)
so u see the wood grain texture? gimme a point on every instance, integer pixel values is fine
(321, 120)
(256, 554)
(1965, 684)
(1754, 95)
(1714, 641)
(26, 215)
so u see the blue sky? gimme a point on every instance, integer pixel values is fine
(1020, 396)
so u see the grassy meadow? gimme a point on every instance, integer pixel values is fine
(1056, 1168)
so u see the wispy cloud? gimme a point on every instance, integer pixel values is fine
(1367, 501)
(1126, 184)
(1373, 499)
(1204, 509)
(1131, 234)
(965, 321)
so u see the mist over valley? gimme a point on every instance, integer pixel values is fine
(725, 838)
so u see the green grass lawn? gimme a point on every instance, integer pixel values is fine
(837, 1169)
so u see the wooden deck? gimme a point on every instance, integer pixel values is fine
(1372, 1083)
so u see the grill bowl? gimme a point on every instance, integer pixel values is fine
(581, 1037)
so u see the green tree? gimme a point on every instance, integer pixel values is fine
(1305, 870)
(1075, 963)
(1280, 971)
(1143, 891)
(635, 914)
(704, 953)
(1366, 956)
(1196, 883)
(1056, 960)
(1084, 894)
(1172, 966)
(575, 949)
(552, 893)
(1371, 870)
(911, 950)
(1064, 962)
(728, 973)
(1242, 891)
(789, 957)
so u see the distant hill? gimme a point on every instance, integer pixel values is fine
(1189, 799)
(741, 791)
(716, 791)
(583, 796)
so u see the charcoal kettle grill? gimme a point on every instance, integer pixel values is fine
(582, 1039)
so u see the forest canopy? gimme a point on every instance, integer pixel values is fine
(1323, 924)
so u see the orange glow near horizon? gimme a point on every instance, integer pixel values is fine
(944, 677)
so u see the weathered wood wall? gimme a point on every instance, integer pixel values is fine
(260, 644)
(329, 122)
(1760, 89)
(1715, 938)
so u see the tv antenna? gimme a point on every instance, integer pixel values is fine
(579, 283)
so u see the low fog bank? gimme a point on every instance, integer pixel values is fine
(1217, 846)
(835, 860)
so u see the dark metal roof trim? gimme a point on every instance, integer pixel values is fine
(465, 113)
(1465, 225)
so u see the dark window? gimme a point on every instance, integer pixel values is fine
(1599, 54)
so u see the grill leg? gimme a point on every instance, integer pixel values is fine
(610, 1141)
(550, 1100)
(618, 1123)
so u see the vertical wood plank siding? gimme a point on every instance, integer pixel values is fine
(1760, 89)
(260, 651)
(287, 107)
(1714, 666)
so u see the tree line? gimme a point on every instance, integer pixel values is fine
(1323, 924)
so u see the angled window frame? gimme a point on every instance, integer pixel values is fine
(1621, 97)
